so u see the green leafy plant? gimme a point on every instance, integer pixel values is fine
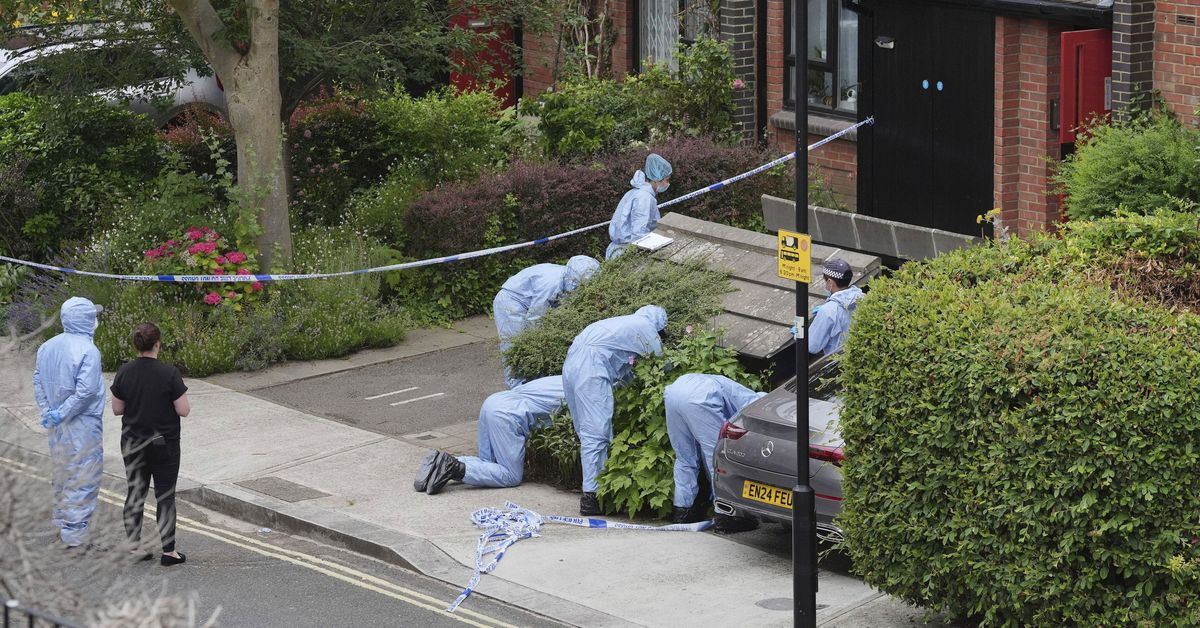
(638, 478)
(1137, 165)
(690, 294)
(1021, 428)
(80, 157)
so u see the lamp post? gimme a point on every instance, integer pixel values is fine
(804, 517)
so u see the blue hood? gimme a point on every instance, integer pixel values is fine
(848, 298)
(639, 182)
(579, 269)
(655, 314)
(78, 316)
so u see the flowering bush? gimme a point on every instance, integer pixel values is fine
(202, 251)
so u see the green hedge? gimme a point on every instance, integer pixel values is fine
(1137, 166)
(1023, 441)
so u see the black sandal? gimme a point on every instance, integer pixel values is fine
(166, 560)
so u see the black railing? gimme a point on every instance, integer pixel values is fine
(16, 616)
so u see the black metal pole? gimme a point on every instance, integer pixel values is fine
(804, 516)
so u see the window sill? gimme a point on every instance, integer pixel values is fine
(817, 124)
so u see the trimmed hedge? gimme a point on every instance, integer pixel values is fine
(1023, 441)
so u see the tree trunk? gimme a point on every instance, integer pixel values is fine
(253, 99)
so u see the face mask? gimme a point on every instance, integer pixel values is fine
(664, 188)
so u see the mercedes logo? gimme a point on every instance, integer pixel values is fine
(769, 449)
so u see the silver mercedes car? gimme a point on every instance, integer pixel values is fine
(755, 457)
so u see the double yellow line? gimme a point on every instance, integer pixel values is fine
(320, 565)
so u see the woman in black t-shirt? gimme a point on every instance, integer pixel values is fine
(150, 396)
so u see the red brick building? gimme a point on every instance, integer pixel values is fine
(974, 99)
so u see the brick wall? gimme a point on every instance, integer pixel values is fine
(1026, 74)
(543, 61)
(1133, 52)
(737, 29)
(837, 161)
(1177, 55)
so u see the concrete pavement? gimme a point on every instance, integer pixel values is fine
(293, 471)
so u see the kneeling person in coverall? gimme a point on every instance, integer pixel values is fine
(637, 213)
(527, 295)
(697, 406)
(601, 357)
(505, 421)
(70, 393)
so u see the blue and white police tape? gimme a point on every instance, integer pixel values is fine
(425, 262)
(504, 527)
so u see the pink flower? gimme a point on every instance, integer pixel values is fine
(739, 84)
(218, 271)
(256, 286)
(243, 271)
(193, 234)
(632, 359)
(236, 257)
(153, 254)
(221, 259)
(202, 247)
(689, 329)
(171, 243)
(212, 298)
(231, 295)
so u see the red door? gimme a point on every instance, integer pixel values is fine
(495, 55)
(1086, 80)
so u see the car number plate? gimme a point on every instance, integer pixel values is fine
(767, 494)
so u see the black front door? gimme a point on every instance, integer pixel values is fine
(928, 80)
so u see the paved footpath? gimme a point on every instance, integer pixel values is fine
(289, 470)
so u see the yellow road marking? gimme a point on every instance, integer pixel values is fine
(314, 563)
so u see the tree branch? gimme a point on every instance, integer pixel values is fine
(203, 23)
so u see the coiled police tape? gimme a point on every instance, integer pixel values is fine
(504, 527)
(425, 262)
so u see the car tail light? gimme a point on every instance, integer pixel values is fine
(731, 431)
(825, 453)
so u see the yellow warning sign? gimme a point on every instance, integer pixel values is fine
(795, 256)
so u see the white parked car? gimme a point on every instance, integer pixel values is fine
(162, 100)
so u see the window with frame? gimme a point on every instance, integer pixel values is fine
(664, 23)
(832, 58)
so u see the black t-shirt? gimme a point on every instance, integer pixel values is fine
(149, 389)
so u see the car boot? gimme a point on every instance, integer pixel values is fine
(424, 470)
(445, 468)
(589, 505)
(725, 524)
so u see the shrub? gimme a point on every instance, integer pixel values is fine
(1138, 166)
(203, 251)
(198, 136)
(297, 320)
(1021, 438)
(335, 150)
(80, 157)
(589, 116)
(442, 136)
(638, 479)
(690, 294)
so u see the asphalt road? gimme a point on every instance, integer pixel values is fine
(403, 397)
(247, 576)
